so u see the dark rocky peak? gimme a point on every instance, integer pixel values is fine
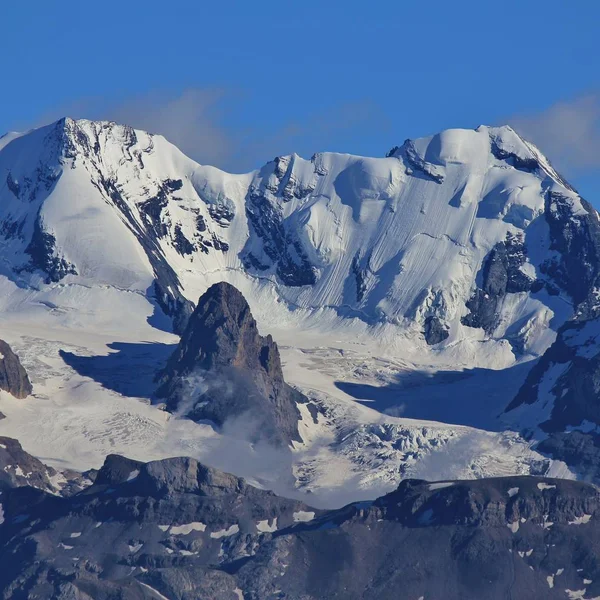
(13, 377)
(223, 332)
(223, 369)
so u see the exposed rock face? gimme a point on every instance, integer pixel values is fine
(561, 390)
(177, 529)
(13, 377)
(224, 369)
(501, 275)
(174, 526)
(20, 469)
(279, 248)
(435, 330)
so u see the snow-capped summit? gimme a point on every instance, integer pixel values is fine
(450, 238)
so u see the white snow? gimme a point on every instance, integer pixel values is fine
(187, 528)
(576, 594)
(545, 486)
(303, 516)
(514, 526)
(265, 527)
(581, 520)
(440, 485)
(513, 491)
(231, 530)
(420, 246)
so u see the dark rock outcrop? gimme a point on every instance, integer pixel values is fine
(177, 529)
(501, 274)
(19, 469)
(224, 370)
(435, 330)
(279, 248)
(13, 377)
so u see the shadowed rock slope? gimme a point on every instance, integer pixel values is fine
(224, 371)
(179, 530)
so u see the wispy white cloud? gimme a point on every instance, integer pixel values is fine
(567, 132)
(199, 122)
(191, 120)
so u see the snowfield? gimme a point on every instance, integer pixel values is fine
(364, 270)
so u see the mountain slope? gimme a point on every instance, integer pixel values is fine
(455, 255)
(404, 240)
(178, 529)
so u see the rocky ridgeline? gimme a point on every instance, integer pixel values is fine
(179, 530)
(224, 371)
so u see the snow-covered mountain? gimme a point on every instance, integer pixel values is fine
(441, 237)
(454, 253)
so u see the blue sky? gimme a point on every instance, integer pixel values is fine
(236, 83)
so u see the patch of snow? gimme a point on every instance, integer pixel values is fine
(187, 528)
(513, 491)
(302, 516)
(231, 530)
(265, 527)
(576, 594)
(545, 486)
(581, 520)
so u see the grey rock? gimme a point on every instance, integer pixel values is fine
(223, 369)
(177, 529)
(18, 468)
(280, 248)
(500, 275)
(435, 330)
(13, 377)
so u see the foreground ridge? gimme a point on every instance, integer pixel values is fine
(175, 528)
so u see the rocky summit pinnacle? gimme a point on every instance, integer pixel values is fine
(13, 377)
(223, 369)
